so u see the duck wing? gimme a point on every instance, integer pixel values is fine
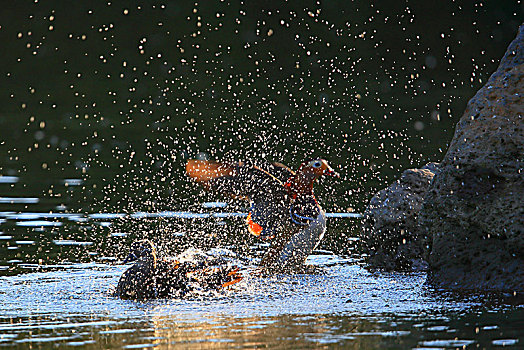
(262, 186)
(216, 277)
(240, 179)
(171, 278)
(280, 171)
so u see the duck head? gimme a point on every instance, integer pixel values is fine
(143, 249)
(309, 172)
(315, 169)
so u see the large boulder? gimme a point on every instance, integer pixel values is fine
(390, 236)
(474, 209)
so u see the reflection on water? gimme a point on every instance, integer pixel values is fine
(16, 200)
(8, 179)
(342, 305)
(108, 216)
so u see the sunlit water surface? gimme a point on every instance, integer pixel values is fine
(339, 304)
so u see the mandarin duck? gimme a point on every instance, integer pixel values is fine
(283, 208)
(150, 277)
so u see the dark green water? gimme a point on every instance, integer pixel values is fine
(102, 103)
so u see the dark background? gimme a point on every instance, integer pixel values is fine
(120, 94)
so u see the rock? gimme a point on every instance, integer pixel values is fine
(474, 209)
(390, 235)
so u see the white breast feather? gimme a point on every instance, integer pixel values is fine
(303, 242)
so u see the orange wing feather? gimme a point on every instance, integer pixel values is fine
(254, 228)
(237, 277)
(205, 170)
(236, 280)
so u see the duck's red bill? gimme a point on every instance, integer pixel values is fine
(331, 172)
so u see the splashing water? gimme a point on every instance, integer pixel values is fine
(104, 102)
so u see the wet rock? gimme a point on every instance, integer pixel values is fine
(474, 209)
(390, 235)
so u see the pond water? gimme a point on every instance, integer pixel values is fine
(56, 291)
(343, 305)
(102, 104)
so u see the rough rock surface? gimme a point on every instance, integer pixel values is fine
(474, 209)
(390, 235)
